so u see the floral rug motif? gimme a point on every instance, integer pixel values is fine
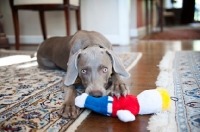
(31, 97)
(187, 90)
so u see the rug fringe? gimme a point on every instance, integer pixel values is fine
(165, 76)
(166, 62)
(165, 121)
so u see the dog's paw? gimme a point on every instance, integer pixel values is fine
(118, 88)
(69, 111)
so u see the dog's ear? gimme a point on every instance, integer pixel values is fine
(117, 64)
(72, 69)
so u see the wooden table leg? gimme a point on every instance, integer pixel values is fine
(151, 14)
(161, 16)
(147, 17)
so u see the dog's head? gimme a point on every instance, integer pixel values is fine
(94, 65)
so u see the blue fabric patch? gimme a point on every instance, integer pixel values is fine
(98, 105)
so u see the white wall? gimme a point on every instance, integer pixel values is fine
(133, 19)
(99, 15)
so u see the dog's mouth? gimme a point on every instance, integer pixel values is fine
(95, 91)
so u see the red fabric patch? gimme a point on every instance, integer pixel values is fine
(129, 102)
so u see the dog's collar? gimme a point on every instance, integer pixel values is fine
(93, 45)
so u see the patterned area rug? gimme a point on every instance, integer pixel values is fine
(184, 86)
(30, 97)
(174, 34)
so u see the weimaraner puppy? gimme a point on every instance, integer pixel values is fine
(88, 55)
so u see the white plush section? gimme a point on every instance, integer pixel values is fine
(125, 115)
(109, 108)
(80, 100)
(110, 98)
(29, 2)
(150, 102)
(164, 121)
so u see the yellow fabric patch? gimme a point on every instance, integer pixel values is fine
(165, 98)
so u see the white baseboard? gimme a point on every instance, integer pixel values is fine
(37, 39)
(133, 32)
(138, 32)
(26, 39)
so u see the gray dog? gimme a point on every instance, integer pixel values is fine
(88, 55)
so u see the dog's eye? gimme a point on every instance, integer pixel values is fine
(83, 71)
(105, 69)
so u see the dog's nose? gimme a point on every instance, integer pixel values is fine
(96, 93)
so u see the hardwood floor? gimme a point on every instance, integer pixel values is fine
(143, 76)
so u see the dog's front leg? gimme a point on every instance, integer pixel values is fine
(118, 86)
(68, 108)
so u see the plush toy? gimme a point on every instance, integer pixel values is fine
(126, 108)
